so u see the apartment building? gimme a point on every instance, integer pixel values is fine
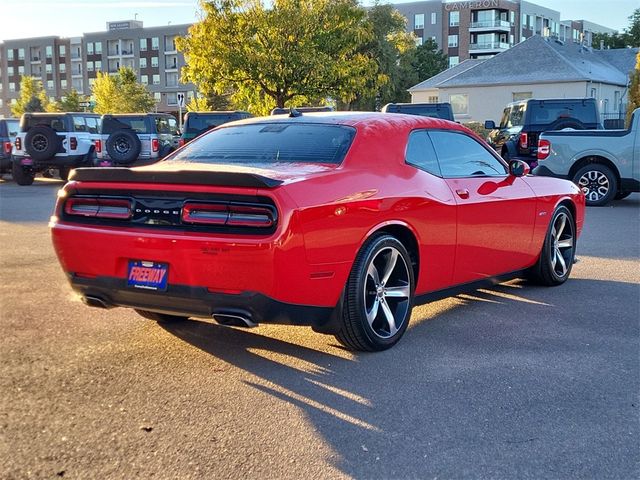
(66, 63)
(480, 29)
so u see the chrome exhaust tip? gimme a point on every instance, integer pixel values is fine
(97, 302)
(234, 320)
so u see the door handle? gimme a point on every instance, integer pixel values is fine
(463, 193)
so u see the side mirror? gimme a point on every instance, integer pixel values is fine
(518, 168)
(489, 124)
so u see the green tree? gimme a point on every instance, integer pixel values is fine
(32, 97)
(198, 104)
(121, 93)
(634, 90)
(429, 60)
(630, 37)
(70, 103)
(278, 52)
(633, 30)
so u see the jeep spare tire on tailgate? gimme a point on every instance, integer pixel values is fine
(123, 146)
(42, 142)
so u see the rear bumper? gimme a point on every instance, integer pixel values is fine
(199, 302)
(58, 161)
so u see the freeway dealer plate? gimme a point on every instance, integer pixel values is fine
(147, 275)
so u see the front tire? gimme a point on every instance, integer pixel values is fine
(21, 176)
(558, 251)
(160, 317)
(598, 183)
(378, 296)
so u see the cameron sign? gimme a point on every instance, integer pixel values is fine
(470, 4)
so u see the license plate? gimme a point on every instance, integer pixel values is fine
(26, 161)
(147, 275)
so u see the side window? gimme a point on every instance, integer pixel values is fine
(173, 126)
(92, 124)
(460, 155)
(78, 124)
(161, 125)
(420, 153)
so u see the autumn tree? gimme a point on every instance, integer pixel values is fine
(32, 97)
(121, 93)
(273, 53)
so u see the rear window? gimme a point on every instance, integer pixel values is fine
(270, 143)
(201, 123)
(513, 116)
(548, 113)
(57, 123)
(137, 124)
(13, 126)
(433, 111)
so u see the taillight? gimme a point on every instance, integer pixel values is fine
(7, 147)
(73, 143)
(524, 140)
(231, 215)
(18, 144)
(544, 149)
(181, 142)
(155, 145)
(98, 145)
(98, 207)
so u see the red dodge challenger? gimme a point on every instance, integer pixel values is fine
(341, 221)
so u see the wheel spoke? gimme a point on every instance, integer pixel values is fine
(397, 292)
(391, 321)
(373, 313)
(563, 265)
(391, 264)
(562, 219)
(566, 243)
(373, 273)
(553, 259)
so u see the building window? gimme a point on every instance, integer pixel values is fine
(511, 40)
(459, 103)
(91, 82)
(453, 40)
(170, 44)
(605, 106)
(98, 48)
(433, 99)
(517, 96)
(48, 68)
(156, 79)
(418, 41)
(89, 48)
(10, 54)
(63, 50)
(21, 54)
(454, 19)
(512, 17)
(434, 18)
(49, 84)
(154, 62)
(594, 93)
(63, 67)
(10, 71)
(89, 66)
(616, 101)
(48, 51)
(157, 96)
(143, 44)
(171, 79)
(453, 61)
(144, 79)
(524, 20)
(155, 43)
(12, 87)
(172, 98)
(418, 21)
(143, 62)
(63, 83)
(98, 65)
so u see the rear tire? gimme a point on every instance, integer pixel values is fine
(558, 251)
(160, 317)
(378, 296)
(123, 146)
(598, 183)
(22, 176)
(42, 142)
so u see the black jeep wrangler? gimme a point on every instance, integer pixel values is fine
(516, 138)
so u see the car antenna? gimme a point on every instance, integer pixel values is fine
(293, 113)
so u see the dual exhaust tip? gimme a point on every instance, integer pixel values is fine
(231, 319)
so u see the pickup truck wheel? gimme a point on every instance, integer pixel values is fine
(378, 296)
(598, 183)
(160, 317)
(22, 176)
(556, 258)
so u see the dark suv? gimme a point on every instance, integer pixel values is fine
(197, 123)
(8, 132)
(516, 138)
(434, 110)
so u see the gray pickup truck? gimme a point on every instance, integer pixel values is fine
(605, 164)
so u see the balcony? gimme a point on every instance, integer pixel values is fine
(490, 26)
(488, 47)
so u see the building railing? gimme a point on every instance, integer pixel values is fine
(489, 46)
(490, 24)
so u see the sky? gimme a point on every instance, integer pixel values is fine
(68, 18)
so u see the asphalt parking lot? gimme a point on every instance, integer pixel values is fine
(517, 381)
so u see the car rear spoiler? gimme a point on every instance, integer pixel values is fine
(188, 177)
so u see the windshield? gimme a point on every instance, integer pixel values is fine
(201, 123)
(513, 116)
(269, 143)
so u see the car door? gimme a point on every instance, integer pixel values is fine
(495, 211)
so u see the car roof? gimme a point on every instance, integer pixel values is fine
(552, 100)
(59, 114)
